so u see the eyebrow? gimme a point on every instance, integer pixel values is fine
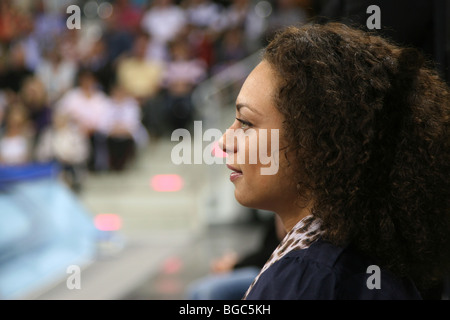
(239, 106)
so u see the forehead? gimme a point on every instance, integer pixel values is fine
(259, 88)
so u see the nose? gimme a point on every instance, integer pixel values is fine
(227, 142)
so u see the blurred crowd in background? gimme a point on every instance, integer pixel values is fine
(88, 98)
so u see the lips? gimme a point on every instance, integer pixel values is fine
(235, 174)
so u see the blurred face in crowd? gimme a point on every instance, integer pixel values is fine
(140, 47)
(87, 82)
(256, 113)
(16, 120)
(163, 3)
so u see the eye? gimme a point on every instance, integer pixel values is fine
(244, 124)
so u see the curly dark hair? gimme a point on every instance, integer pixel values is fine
(368, 122)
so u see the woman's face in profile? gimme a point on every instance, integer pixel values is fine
(261, 176)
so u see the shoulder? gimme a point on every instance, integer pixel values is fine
(324, 271)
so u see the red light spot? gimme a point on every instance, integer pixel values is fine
(172, 265)
(217, 151)
(107, 222)
(167, 182)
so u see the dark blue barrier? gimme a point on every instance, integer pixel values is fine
(12, 174)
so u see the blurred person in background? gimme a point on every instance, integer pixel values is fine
(242, 14)
(156, 52)
(203, 14)
(138, 75)
(16, 146)
(56, 72)
(87, 106)
(118, 40)
(34, 97)
(15, 70)
(230, 49)
(64, 142)
(97, 60)
(71, 45)
(201, 42)
(142, 79)
(163, 21)
(31, 47)
(182, 74)
(128, 15)
(13, 22)
(125, 131)
(48, 24)
(236, 14)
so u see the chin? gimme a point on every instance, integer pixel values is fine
(248, 200)
(243, 198)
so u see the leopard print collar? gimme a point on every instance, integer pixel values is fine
(305, 232)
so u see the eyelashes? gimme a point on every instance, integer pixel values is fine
(244, 124)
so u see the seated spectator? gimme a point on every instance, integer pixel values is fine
(201, 42)
(48, 24)
(34, 98)
(163, 21)
(117, 40)
(87, 106)
(56, 73)
(97, 60)
(235, 15)
(182, 75)
(138, 75)
(128, 15)
(230, 49)
(15, 141)
(15, 71)
(242, 14)
(124, 123)
(202, 13)
(65, 143)
(13, 21)
(72, 45)
(141, 78)
(156, 52)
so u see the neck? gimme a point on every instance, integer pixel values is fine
(88, 92)
(291, 216)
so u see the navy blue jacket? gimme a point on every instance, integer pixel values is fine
(324, 271)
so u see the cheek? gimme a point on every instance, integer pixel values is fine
(259, 147)
(251, 147)
(261, 167)
(265, 192)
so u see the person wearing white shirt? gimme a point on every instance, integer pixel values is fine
(57, 75)
(87, 106)
(203, 13)
(124, 128)
(163, 21)
(183, 73)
